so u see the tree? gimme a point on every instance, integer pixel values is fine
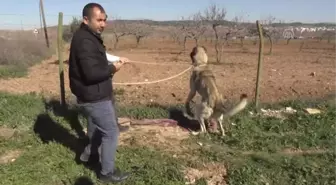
(329, 35)
(192, 28)
(70, 30)
(270, 31)
(119, 29)
(140, 31)
(216, 17)
(175, 34)
(196, 28)
(237, 28)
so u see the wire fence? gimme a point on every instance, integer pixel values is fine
(26, 22)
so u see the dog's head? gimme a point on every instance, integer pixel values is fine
(199, 55)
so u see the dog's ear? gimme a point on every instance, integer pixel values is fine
(193, 53)
(205, 49)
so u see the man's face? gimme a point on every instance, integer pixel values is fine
(97, 22)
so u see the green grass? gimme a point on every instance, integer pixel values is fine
(253, 150)
(12, 71)
(52, 162)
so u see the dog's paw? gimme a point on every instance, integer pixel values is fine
(194, 133)
(185, 114)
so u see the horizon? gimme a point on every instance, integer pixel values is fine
(27, 17)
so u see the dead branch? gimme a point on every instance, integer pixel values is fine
(269, 31)
(194, 28)
(328, 35)
(140, 31)
(216, 17)
(119, 29)
(175, 34)
(237, 29)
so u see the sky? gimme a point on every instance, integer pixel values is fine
(24, 14)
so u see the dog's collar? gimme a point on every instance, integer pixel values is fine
(201, 65)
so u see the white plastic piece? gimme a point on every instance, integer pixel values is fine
(111, 58)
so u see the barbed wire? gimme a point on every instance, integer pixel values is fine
(56, 15)
(32, 21)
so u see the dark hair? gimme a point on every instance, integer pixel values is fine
(87, 10)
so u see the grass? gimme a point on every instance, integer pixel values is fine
(257, 150)
(18, 54)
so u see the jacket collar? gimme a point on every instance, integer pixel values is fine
(86, 28)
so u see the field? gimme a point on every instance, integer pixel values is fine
(287, 73)
(39, 141)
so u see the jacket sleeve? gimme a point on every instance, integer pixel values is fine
(93, 70)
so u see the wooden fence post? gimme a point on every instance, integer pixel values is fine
(44, 23)
(60, 56)
(260, 60)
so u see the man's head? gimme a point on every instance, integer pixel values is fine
(94, 17)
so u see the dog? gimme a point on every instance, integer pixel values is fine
(212, 104)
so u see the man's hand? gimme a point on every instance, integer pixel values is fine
(124, 60)
(118, 65)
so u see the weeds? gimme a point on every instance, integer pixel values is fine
(17, 55)
(257, 150)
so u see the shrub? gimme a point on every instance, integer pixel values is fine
(70, 30)
(16, 55)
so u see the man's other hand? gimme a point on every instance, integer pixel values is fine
(124, 60)
(118, 65)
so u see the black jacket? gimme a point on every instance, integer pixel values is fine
(89, 73)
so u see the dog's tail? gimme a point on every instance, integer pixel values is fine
(237, 108)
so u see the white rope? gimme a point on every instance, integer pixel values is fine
(155, 63)
(156, 81)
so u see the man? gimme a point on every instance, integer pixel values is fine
(91, 82)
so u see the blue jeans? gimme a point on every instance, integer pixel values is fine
(103, 132)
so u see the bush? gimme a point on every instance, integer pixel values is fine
(71, 29)
(16, 55)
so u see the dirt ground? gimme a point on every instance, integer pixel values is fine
(286, 74)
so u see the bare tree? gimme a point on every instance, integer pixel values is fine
(266, 32)
(237, 28)
(329, 35)
(70, 30)
(208, 35)
(216, 17)
(269, 31)
(140, 31)
(174, 34)
(197, 28)
(119, 29)
(193, 28)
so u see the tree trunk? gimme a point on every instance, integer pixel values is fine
(271, 43)
(242, 41)
(288, 40)
(302, 44)
(218, 55)
(116, 42)
(196, 41)
(184, 42)
(138, 38)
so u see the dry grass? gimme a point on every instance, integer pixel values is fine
(18, 52)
